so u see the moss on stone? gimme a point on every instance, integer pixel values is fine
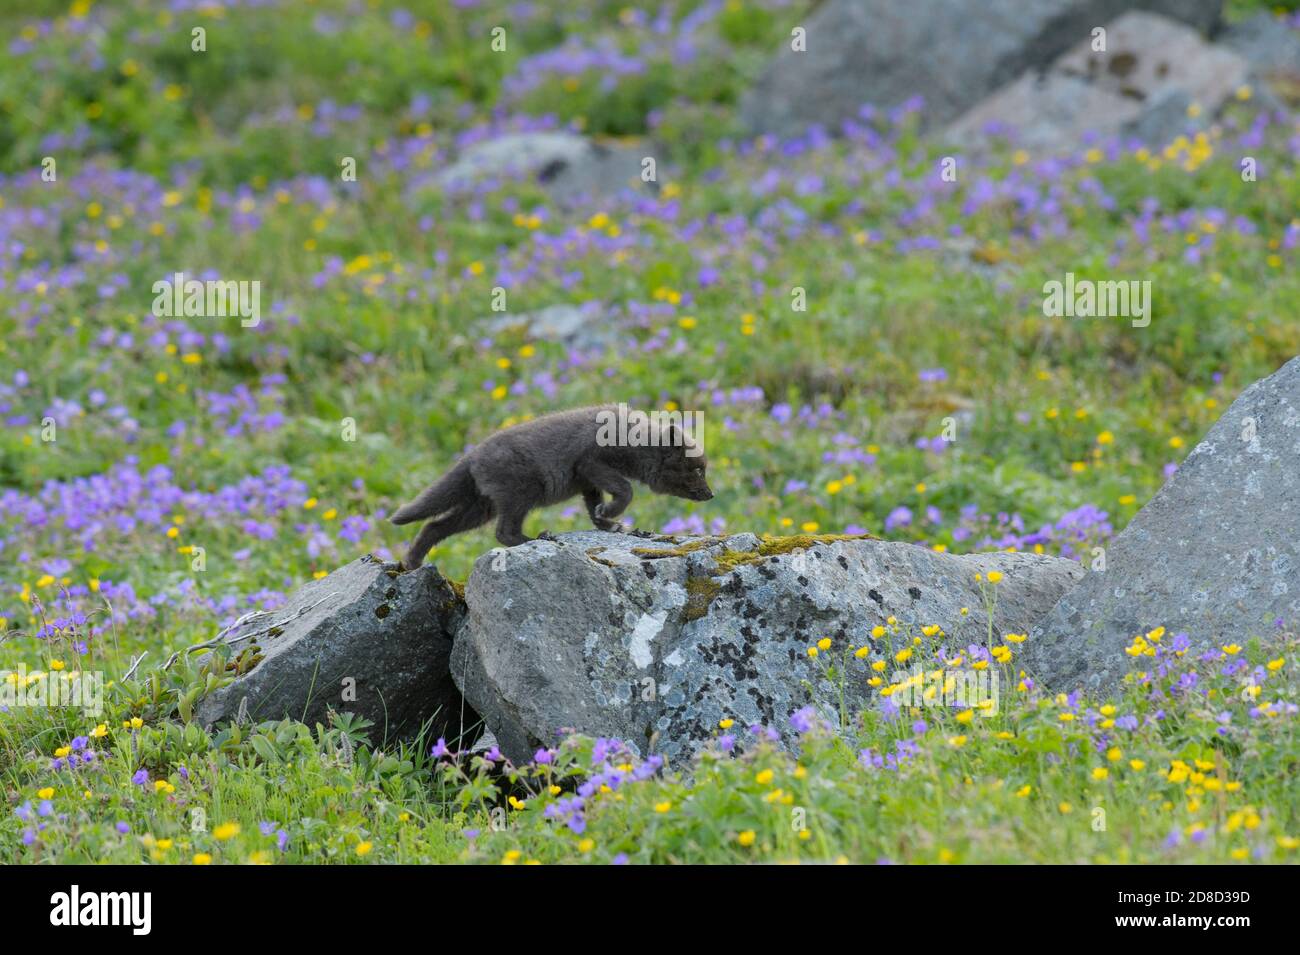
(730, 560)
(769, 546)
(594, 553)
(700, 592)
(657, 553)
(772, 546)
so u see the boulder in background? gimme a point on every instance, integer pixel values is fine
(951, 52)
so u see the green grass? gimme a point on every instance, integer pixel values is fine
(372, 298)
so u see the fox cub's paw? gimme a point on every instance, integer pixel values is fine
(604, 522)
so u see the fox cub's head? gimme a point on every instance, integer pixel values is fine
(682, 468)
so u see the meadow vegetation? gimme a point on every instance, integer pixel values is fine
(924, 307)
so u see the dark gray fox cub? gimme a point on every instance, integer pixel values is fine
(548, 460)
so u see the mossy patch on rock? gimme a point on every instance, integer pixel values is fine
(700, 592)
(702, 589)
(769, 546)
(658, 553)
(593, 553)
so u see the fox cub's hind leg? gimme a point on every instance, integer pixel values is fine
(510, 526)
(464, 518)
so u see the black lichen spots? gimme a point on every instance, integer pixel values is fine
(648, 569)
(842, 561)
(729, 656)
(875, 595)
(764, 705)
(803, 581)
(706, 689)
(390, 593)
(697, 734)
(914, 593)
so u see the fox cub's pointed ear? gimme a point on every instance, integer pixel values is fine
(681, 438)
(675, 438)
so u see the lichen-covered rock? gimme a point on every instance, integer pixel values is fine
(1142, 84)
(1215, 554)
(950, 52)
(655, 640)
(364, 640)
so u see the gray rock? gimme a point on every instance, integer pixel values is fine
(569, 166)
(1164, 118)
(1267, 43)
(1047, 112)
(654, 641)
(1142, 84)
(578, 326)
(390, 633)
(1272, 48)
(1215, 554)
(952, 52)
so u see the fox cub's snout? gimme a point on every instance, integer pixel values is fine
(684, 475)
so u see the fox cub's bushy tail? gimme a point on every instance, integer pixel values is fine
(453, 489)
